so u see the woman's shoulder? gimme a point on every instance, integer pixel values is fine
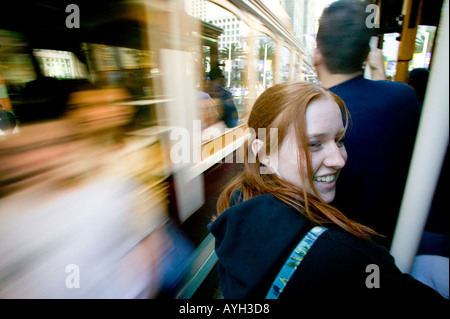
(250, 238)
(349, 255)
(266, 211)
(340, 264)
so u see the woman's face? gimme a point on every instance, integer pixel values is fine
(328, 155)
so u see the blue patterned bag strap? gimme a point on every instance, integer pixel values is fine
(294, 260)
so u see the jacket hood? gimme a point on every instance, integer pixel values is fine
(252, 240)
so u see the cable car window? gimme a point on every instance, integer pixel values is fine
(266, 49)
(296, 67)
(285, 58)
(222, 64)
(423, 47)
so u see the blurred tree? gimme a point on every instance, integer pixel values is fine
(236, 52)
(270, 50)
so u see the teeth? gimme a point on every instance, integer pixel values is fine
(325, 179)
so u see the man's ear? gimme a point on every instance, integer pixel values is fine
(317, 57)
(257, 146)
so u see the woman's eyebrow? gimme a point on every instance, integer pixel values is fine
(327, 134)
(318, 135)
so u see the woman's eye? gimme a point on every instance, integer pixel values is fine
(315, 145)
(340, 142)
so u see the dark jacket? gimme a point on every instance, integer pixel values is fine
(379, 144)
(254, 238)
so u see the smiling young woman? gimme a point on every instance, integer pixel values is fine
(307, 155)
(276, 214)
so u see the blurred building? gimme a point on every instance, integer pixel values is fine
(196, 8)
(58, 64)
(303, 21)
(233, 31)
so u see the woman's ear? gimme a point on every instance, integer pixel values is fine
(257, 146)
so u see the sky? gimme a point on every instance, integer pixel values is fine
(320, 5)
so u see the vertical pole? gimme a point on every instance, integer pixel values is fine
(230, 66)
(264, 67)
(411, 12)
(252, 74)
(300, 67)
(291, 64)
(425, 48)
(428, 156)
(214, 53)
(276, 61)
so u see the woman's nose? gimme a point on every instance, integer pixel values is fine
(336, 157)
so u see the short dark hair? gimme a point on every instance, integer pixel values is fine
(216, 73)
(343, 37)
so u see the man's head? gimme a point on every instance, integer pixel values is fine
(343, 37)
(216, 74)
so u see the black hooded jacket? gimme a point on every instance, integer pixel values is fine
(254, 238)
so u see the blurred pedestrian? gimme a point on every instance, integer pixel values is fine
(216, 89)
(76, 221)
